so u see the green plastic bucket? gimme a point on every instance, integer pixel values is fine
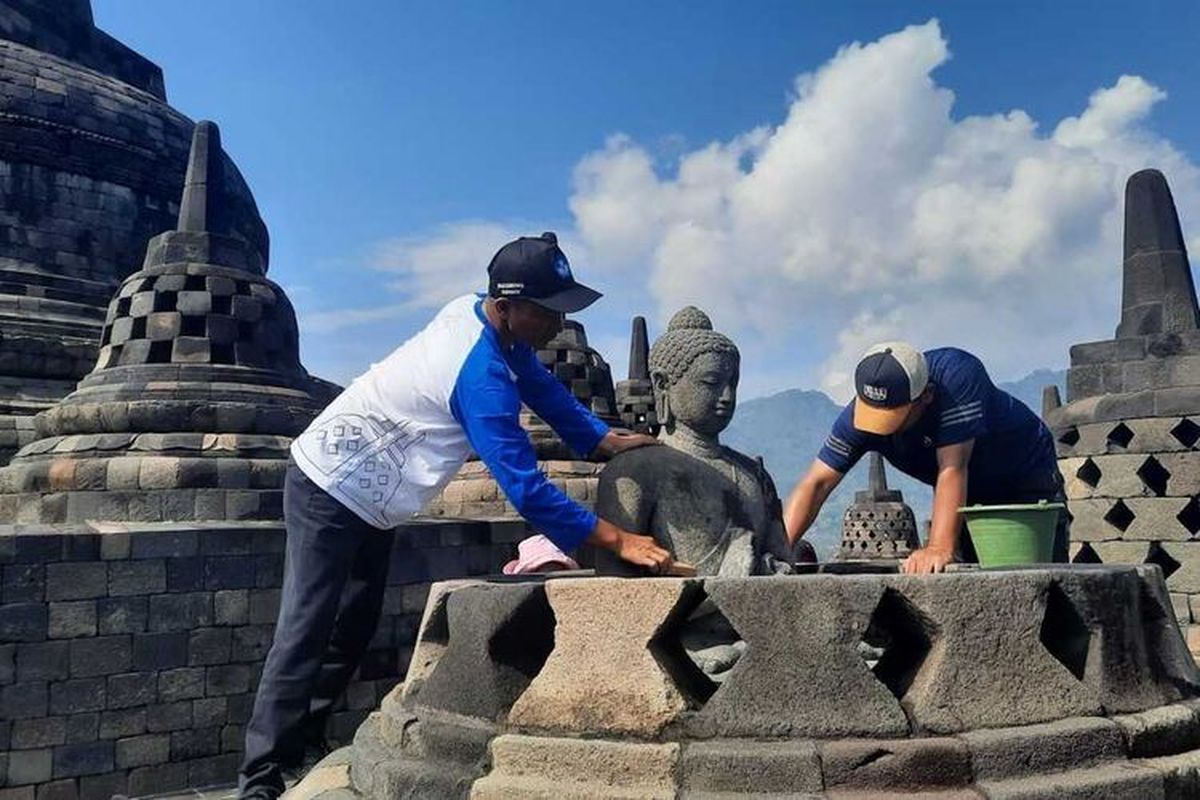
(1012, 535)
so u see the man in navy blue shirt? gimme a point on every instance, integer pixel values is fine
(937, 417)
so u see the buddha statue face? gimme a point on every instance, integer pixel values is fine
(695, 372)
(704, 398)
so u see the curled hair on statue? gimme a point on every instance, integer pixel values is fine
(689, 335)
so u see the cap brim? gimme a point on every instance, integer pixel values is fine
(880, 421)
(568, 301)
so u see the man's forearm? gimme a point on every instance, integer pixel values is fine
(802, 508)
(948, 496)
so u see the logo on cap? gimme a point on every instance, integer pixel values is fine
(561, 267)
(876, 394)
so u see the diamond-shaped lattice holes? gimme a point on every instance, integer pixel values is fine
(897, 641)
(1120, 436)
(1089, 473)
(1187, 433)
(1120, 516)
(1064, 633)
(1154, 476)
(1157, 555)
(697, 646)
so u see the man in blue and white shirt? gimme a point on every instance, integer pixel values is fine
(938, 417)
(387, 446)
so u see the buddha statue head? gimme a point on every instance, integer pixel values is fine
(695, 373)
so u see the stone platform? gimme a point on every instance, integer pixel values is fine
(1057, 682)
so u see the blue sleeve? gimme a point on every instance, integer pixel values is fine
(963, 388)
(845, 444)
(551, 401)
(486, 404)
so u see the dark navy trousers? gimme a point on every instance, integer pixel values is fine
(334, 575)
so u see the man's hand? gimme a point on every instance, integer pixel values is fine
(619, 441)
(632, 547)
(927, 560)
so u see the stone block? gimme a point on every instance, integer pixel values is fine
(28, 734)
(137, 577)
(166, 544)
(185, 574)
(123, 473)
(131, 690)
(145, 781)
(229, 572)
(44, 661)
(180, 612)
(629, 691)
(820, 684)
(30, 766)
(1166, 730)
(251, 642)
(1120, 781)
(1120, 552)
(142, 751)
(191, 350)
(78, 696)
(76, 581)
(1047, 747)
(8, 663)
(120, 723)
(1186, 578)
(158, 472)
(185, 683)
(163, 325)
(541, 767)
(83, 727)
(209, 646)
(227, 679)
(749, 767)
(121, 615)
(925, 764)
(264, 606)
(167, 717)
(24, 622)
(23, 583)
(65, 789)
(102, 655)
(210, 712)
(1001, 613)
(195, 743)
(103, 787)
(23, 700)
(156, 651)
(213, 770)
(71, 760)
(231, 607)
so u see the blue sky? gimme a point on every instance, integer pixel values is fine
(954, 178)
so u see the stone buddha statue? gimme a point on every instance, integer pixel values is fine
(711, 506)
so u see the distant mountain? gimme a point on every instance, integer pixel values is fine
(787, 429)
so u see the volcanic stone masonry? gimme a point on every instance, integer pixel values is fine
(529, 691)
(197, 391)
(1127, 437)
(92, 163)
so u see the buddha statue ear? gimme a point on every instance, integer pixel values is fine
(662, 399)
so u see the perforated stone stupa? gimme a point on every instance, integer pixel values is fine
(92, 162)
(531, 691)
(635, 394)
(197, 390)
(879, 524)
(1127, 437)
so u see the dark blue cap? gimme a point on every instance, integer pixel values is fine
(534, 268)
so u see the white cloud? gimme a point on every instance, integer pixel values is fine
(868, 212)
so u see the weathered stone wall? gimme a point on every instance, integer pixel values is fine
(129, 658)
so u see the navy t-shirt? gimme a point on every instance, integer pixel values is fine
(1013, 451)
